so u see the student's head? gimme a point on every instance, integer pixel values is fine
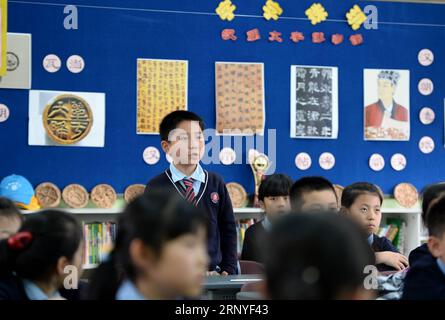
(10, 218)
(363, 202)
(430, 193)
(435, 222)
(46, 243)
(160, 247)
(182, 137)
(312, 256)
(313, 193)
(273, 195)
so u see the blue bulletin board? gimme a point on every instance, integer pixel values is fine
(113, 34)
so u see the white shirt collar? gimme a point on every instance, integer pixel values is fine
(33, 292)
(128, 291)
(177, 175)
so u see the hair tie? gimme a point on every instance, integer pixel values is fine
(20, 240)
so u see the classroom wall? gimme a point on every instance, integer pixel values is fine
(113, 34)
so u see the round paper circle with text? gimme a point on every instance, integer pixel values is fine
(227, 156)
(52, 63)
(426, 144)
(303, 161)
(376, 162)
(398, 162)
(151, 155)
(4, 113)
(326, 160)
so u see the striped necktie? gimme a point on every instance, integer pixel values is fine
(188, 192)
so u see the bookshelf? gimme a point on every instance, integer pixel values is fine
(414, 234)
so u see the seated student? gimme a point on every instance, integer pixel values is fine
(431, 193)
(33, 261)
(273, 195)
(363, 201)
(160, 252)
(425, 280)
(316, 256)
(10, 218)
(313, 193)
(182, 138)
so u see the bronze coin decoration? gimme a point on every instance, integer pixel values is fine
(406, 194)
(237, 194)
(103, 196)
(133, 191)
(48, 195)
(67, 119)
(75, 196)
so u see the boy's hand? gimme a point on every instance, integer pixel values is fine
(392, 259)
(224, 273)
(212, 273)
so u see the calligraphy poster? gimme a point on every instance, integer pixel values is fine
(386, 105)
(66, 119)
(161, 89)
(314, 102)
(239, 98)
(3, 27)
(18, 65)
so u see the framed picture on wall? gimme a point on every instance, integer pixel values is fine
(66, 119)
(18, 73)
(314, 102)
(386, 105)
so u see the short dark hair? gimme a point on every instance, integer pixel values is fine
(9, 210)
(353, 191)
(435, 217)
(429, 194)
(274, 185)
(172, 120)
(306, 185)
(302, 264)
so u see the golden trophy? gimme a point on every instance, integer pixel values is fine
(259, 163)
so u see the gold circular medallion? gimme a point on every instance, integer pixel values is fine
(67, 119)
(75, 196)
(133, 192)
(406, 194)
(237, 194)
(103, 196)
(48, 195)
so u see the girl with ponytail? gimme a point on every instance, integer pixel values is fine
(33, 261)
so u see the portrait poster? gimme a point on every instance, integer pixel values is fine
(386, 105)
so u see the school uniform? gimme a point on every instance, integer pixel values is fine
(380, 244)
(425, 280)
(17, 289)
(209, 193)
(255, 240)
(419, 253)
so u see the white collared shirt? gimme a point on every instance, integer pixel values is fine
(128, 291)
(33, 292)
(198, 176)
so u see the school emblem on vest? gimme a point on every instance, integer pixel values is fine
(214, 197)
